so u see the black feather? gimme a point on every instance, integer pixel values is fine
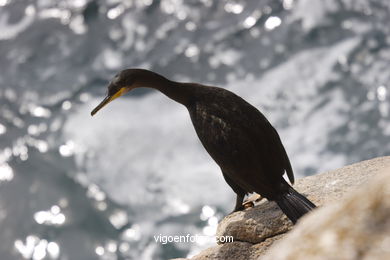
(294, 204)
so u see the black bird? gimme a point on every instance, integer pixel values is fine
(236, 135)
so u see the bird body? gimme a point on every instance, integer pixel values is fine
(237, 136)
(240, 140)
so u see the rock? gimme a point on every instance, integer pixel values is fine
(256, 224)
(235, 251)
(254, 230)
(357, 227)
(267, 220)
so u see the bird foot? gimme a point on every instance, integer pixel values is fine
(250, 201)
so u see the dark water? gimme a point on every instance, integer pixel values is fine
(76, 187)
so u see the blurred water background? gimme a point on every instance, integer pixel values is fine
(76, 187)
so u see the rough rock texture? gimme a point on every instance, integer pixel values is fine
(358, 227)
(254, 230)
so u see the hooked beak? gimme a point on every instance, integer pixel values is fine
(108, 99)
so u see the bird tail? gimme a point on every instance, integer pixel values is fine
(294, 204)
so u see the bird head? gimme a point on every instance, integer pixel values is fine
(122, 83)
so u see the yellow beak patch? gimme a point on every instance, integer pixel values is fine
(108, 99)
(121, 92)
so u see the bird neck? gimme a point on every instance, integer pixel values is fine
(172, 89)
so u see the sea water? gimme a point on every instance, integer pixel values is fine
(77, 187)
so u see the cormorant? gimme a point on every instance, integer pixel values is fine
(236, 135)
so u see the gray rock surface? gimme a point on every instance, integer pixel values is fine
(357, 227)
(255, 229)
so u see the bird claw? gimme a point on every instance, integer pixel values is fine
(250, 202)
